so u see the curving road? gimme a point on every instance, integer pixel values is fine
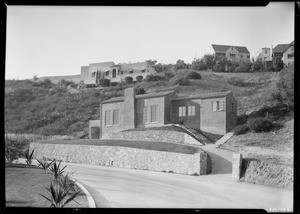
(119, 187)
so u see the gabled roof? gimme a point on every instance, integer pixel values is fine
(121, 99)
(205, 95)
(281, 48)
(224, 48)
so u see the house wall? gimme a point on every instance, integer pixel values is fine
(189, 121)
(85, 75)
(142, 102)
(105, 130)
(231, 114)
(233, 50)
(285, 58)
(212, 121)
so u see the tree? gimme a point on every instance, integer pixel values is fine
(151, 62)
(209, 61)
(180, 64)
(35, 78)
(257, 66)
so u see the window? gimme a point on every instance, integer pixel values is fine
(154, 113)
(241, 56)
(290, 56)
(131, 71)
(266, 51)
(182, 111)
(143, 71)
(218, 105)
(232, 55)
(107, 118)
(116, 117)
(94, 74)
(248, 56)
(106, 73)
(191, 110)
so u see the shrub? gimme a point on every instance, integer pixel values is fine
(104, 82)
(260, 124)
(199, 65)
(139, 78)
(182, 81)
(128, 80)
(279, 65)
(285, 88)
(114, 83)
(241, 129)
(14, 147)
(236, 81)
(153, 77)
(140, 91)
(257, 66)
(243, 67)
(193, 75)
(28, 156)
(169, 75)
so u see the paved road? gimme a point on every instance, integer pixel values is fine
(119, 187)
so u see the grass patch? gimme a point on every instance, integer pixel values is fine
(158, 146)
(23, 184)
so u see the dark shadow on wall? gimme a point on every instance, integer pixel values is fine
(220, 165)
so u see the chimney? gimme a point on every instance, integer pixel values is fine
(129, 109)
(271, 50)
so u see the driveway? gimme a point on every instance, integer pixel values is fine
(119, 187)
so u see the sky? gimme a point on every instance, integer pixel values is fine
(58, 40)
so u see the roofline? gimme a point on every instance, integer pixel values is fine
(204, 96)
(140, 96)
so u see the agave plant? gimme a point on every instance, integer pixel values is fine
(56, 170)
(29, 156)
(44, 163)
(65, 182)
(60, 196)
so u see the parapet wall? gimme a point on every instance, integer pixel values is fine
(125, 157)
(155, 135)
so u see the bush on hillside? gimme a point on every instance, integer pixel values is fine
(257, 66)
(279, 65)
(260, 124)
(104, 82)
(180, 64)
(114, 83)
(236, 81)
(182, 81)
(243, 67)
(221, 64)
(169, 75)
(285, 88)
(153, 77)
(193, 75)
(140, 91)
(199, 65)
(139, 78)
(241, 129)
(128, 80)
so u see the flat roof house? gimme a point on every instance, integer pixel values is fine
(114, 72)
(234, 53)
(211, 112)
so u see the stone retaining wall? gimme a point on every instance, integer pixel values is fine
(155, 135)
(260, 172)
(125, 157)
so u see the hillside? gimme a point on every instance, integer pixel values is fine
(56, 79)
(53, 109)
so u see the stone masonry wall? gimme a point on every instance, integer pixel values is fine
(124, 157)
(155, 135)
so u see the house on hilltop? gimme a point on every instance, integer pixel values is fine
(284, 52)
(114, 72)
(211, 112)
(234, 53)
